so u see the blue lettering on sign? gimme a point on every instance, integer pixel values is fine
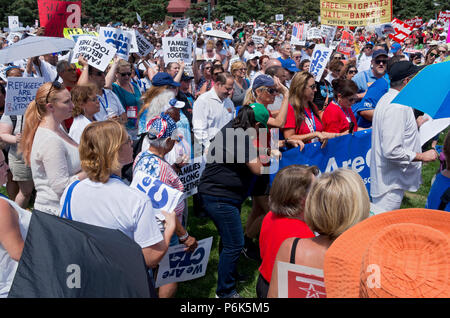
(181, 259)
(164, 195)
(318, 62)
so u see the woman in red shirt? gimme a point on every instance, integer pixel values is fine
(285, 218)
(303, 121)
(338, 117)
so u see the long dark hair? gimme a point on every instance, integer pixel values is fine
(245, 118)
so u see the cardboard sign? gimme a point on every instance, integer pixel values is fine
(402, 31)
(190, 176)
(74, 33)
(279, 17)
(180, 266)
(297, 281)
(96, 52)
(229, 19)
(120, 39)
(415, 23)
(176, 49)
(346, 45)
(320, 58)
(20, 92)
(144, 46)
(13, 22)
(57, 15)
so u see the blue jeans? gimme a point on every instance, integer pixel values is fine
(226, 215)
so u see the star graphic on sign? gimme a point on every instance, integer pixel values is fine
(312, 292)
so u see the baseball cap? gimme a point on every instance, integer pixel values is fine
(261, 113)
(378, 53)
(369, 43)
(255, 55)
(185, 77)
(310, 45)
(262, 80)
(401, 70)
(176, 103)
(289, 64)
(395, 47)
(162, 78)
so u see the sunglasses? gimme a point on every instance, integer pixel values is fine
(378, 62)
(208, 68)
(241, 69)
(56, 85)
(125, 74)
(434, 55)
(352, 72)
(272, 90)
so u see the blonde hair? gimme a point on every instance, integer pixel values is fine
(236, 65)
(99, 149)
(36, 110)
(210, 44)
(337, 201)
(80, 96)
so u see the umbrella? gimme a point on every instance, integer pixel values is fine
(64, 258)
(428, 91)
(34, 46)
(218, 34)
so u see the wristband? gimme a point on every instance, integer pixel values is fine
(183, 237)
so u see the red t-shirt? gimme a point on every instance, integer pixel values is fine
(336, 120)
(304, 128)
(274, 231)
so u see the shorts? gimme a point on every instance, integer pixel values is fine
(19, 170)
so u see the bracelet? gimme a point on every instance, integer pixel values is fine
(183, 237)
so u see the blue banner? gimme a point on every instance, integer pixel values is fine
(348, 151)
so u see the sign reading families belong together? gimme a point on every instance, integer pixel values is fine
(177, 49)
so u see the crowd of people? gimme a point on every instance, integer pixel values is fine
(75, 151)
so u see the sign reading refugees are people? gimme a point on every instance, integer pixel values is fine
(320, 57)
(20, 92)
(97, 53)
(190, 176)
(297, 281)
(355, 12)
(56, 15)
(120, 39)
(179, 266)
(176, 49)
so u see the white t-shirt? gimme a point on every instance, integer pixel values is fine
(79, 123)
(110, 105)
(115, 205)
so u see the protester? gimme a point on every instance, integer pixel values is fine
(365, 58)
(378, 69)
(431, 56)
(396, 156)
(348, 71)
(241, 83)
(285, 218)
(336, 202)
(47, 149)
(304, 65)
(335, 67)
(206, 82)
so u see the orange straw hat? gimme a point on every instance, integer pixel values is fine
(402, 253)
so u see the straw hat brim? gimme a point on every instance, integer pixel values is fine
(342, 266)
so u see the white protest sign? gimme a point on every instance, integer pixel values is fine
(297, 281)
(180, 266)
(13, 22)
(120, 39)
(279, 17)
(176, 49)
(207, 27)
(328, 32)
(20, 91)
(144, 46)
(181, 24)
(97, 53)
(229, 19)
(190, 176)
(432, 127)
(320, 58)
(314, 33)
(258, 39)
(134, 46)
(138, 17)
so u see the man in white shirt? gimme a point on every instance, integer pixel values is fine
(396, 156)
(213, 109)
(365, 58)
(46, 68)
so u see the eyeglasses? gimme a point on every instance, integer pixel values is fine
(125, 74)
(172, 87)
(56, 85)
(442, 51)
(215, 74)
(378, 62)
(260, 47)
(352, 72)
(297, 57)
(208, 68)
(369, 47)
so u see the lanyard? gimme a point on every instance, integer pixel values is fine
(347, 115)
(311, 120)
(66, 210)
(106, 100)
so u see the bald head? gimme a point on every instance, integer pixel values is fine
(271, 62)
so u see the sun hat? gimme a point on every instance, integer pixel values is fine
(162, 126)
(403, 253)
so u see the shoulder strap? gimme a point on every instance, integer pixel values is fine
(445, 199)
(66, 210)
(294, 247)
(14, 122)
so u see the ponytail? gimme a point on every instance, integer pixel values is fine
(31, 119)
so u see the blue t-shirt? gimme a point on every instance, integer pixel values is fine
(440, 184)
(370, 100)
(363, 79)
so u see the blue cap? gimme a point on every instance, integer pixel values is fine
(369, 43)
(289, 64)
(263, 80)
(378, 53)
(395, 47)
(162, 78)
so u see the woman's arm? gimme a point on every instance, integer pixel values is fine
(84, 77)
(10, 236)
(111, 76)
(6, 134)
(280, 120)
(180, 72)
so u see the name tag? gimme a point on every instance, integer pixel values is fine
(132, 112)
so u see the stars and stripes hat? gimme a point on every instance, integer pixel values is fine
(162, 126)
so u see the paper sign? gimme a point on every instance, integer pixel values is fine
(180, 266)
(176, 49)
(97, 53)
(297, 281)
(120, 39)
(415, 23)
(138, 17)
(190, 176)
(74, 33)
(279, 17)
(431, 128)
(229, 19)
(258, 39)
(57, 15)
(207, 27)
(314, 33)
(320, 58)
(181, 24)
(402, 31)
(133, 43)
(144, 46)
(20, 92)
(13, 22)
(383, 30)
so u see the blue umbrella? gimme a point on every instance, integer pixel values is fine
(429, 91)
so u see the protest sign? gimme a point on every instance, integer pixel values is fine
(96, 52)
(346, 45)
(179, 266)
(144, 46)
(133, 42)
(299, 33)
(181, 24)
(279, 17)
(120, 39)
(74, 33)
(297, 281)
(355, 13)
(229, 19)
(176, 49)
(328, 32)
(190, 176)
(402, 31)
(415, 23)
(320, 57)
(258, 39)
(349, 151)
(314, 33)
(138, 17)
(13, 22)
(383, 30)
(20, 91)
(207, 27)
(56, 15)
(444, 16)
